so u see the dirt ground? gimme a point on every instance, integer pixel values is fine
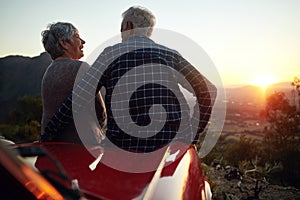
(244, 189)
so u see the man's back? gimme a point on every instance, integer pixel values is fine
(135, 82)
(138, 75)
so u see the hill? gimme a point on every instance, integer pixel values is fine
(20, 76)
(255, 94)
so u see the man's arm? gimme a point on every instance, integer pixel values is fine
(204, 90)
(100, 110)
(60, 120)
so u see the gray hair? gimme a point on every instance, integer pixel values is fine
(54, 33)
(140, 17)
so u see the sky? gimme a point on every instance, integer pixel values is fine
(249, 41)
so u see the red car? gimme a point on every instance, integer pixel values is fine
(72, 171)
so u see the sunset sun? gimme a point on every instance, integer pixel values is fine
(263, 80)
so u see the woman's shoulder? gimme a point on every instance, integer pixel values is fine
(74, 62)
(70, 63)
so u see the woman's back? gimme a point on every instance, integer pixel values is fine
(57, 84)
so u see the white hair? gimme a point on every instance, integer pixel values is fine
(140, 17)
(54, 33)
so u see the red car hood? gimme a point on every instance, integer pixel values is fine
(177, 175)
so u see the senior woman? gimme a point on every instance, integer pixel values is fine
(65, 46)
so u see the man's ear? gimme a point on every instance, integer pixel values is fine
(129, 25)
(63, 44)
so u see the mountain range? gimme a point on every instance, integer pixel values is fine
(20, 76)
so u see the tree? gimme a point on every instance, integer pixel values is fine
(28, 109)
(246, 149)
(283, 121)
(24, 122)
(296, 85)
(281, 140)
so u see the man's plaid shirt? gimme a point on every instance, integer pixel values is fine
(160, 64)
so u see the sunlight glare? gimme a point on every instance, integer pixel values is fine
(263, 80)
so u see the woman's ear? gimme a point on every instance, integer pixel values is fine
(63, 44)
